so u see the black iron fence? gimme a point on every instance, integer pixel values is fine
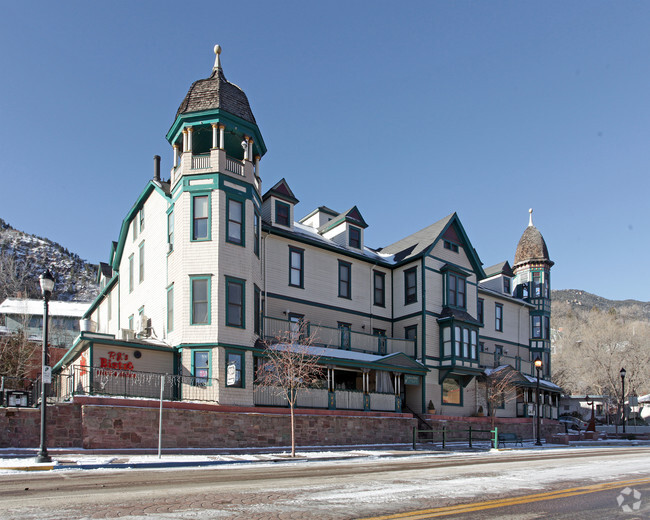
(81, 380)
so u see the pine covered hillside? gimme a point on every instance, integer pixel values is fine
(23, 257)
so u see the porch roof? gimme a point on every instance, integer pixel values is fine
(397, 362)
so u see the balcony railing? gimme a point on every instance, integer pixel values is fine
(318, 398)
(200, 162)
(234, 166)
(338, 338)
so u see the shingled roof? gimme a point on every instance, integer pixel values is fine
(217, 92)
(531, 247)
(418, 241)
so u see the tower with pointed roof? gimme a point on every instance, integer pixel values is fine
(532, 270)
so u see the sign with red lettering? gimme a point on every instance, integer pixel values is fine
(116, 361)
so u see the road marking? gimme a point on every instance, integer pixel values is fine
(504, 502)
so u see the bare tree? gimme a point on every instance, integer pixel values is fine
(14, 279)
(18, 355)
(291, 365)
(592, 346)
(500, 388)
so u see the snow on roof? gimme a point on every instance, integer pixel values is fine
(35, 307)
(334, 353)
(312, 234)
(542, 382)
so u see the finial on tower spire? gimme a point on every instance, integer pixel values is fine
(217, 61)
(530, 218)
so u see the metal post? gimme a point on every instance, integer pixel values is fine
(495, 441)
(162, 388)
(623, 372)
(470, 436)
(444, 436)
(43, 456)
(415, 434)
(539, 440)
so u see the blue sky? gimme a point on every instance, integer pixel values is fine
(408, 110)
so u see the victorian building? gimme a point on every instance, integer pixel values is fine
(209, 267)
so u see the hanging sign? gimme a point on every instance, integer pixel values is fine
(47, 375)
(410, 379)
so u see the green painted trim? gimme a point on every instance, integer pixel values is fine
(149, 188)
(257, 230)
(193, 364)
(407, 272)
(500, 340)
(424, 330)
(407, 316)
(321, 245)
(348, 265)
(194, 196)
(208, 279)
(230, 198)
(325, 306)
(170, 326)
(100, 297)
(277, 205)
(242, 283)
(242, 356)
(357, 229)
(206, 117)
(382, 276)
(301, 253)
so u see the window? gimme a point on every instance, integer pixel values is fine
(235, 224)
(457, 342)
(201, 367)
(109, 301)
(142, 324)
(498, 317)
(142, 220)
(296, 267)
(257, 310)
(256, 233)
(481, 305)
(498, 352)
(234, 369)
(282, 213)
(410, 286)
(456, 290)
(379, 282)
(451, 246)
(537, 326)
(134, 229)
(474, 344)
(141, 263)
(452, 392)
(131, 322)
(381, 340)
(506, 285)
(354, 237)
(537, 285)
(235, 302)
(296, 327)
(547, 327)
(345, 329)
(200, 298)
(345, 279)
(170, 309)
(412, 334)
(131, 274)
(170, 230)
(200, 218)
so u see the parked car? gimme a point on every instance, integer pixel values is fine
(572, 423)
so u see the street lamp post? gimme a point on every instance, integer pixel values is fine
(47, 285)
(592, 421)
(538, 367)
(623, 372)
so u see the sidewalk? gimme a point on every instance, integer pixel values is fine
(23, 459)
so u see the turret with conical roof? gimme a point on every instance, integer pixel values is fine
(215, 130)
(532, 269)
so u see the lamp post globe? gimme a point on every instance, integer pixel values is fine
(538, 366)
(47, 286)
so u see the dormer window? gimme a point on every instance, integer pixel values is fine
(354, 237)
(282, 213)
(506, 285)
(451, 246)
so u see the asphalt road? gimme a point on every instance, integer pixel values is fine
(572, 484)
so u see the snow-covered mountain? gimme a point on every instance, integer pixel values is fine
(23, 257)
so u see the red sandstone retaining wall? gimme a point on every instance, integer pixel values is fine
(21, 427)
(96, 423)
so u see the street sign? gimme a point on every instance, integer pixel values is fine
(47, 374)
